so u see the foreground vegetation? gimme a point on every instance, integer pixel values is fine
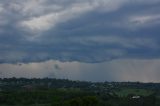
(53, 92)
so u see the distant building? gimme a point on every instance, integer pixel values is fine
(135, 97)
(93, 86)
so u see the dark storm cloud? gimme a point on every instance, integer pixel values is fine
(77, 30)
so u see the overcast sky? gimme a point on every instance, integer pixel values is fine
(95, 40)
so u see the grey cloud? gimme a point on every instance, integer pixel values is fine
(77, 30)
(57, 67)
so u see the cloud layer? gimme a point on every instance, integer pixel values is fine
(78, 30)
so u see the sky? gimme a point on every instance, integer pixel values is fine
(90, 40)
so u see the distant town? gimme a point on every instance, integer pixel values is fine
(51, 92)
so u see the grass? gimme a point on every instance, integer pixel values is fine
(123, 92)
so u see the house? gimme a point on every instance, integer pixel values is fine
(135, 97)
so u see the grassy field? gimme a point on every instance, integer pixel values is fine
(29, 105)
(126, 91)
